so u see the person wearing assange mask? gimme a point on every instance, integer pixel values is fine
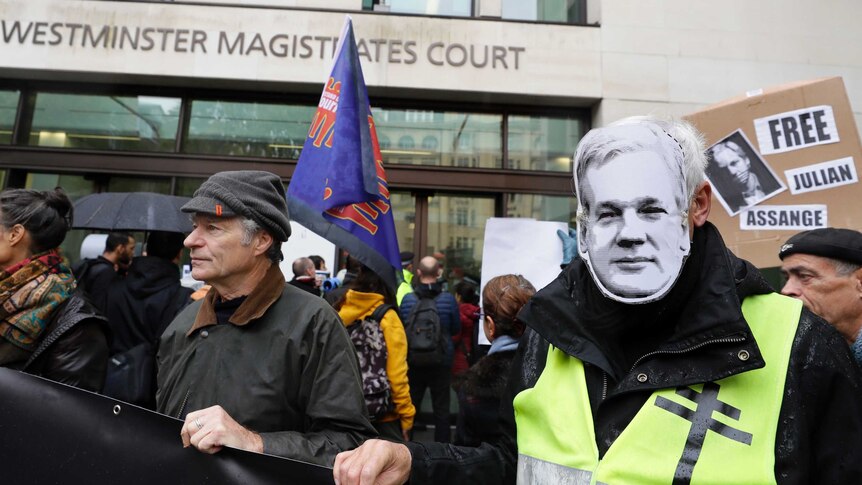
(657, 356)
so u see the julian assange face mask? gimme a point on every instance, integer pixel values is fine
(633, 225)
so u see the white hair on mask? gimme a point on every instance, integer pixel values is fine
(677, 143)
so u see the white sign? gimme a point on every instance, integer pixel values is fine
(797, 129)
(783, 217)
(303, 243)
(822, 176)
(521, 246)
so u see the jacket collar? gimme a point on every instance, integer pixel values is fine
(267, 292)
(562, 313)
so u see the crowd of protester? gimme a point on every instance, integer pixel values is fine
(315, 369)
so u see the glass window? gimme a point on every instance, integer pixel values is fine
(454, 8)
(542, 207)
(139, 123)
(406, 142)
(456, 228)
(404, 213)
(75, 186)
(566, 11)
(248, 129)
(448, 139)
(8, 110)
(159, 185)
(186, 186)
(543, 143)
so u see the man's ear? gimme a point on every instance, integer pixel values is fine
(700, 205)
(857, 277)
(264, 241)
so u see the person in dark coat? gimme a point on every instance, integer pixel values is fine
(48, 328)
(646, 379)
(95, 276)
(139, 308)
(823, 269)
(482, 385)
(436, 378)
(257, 364)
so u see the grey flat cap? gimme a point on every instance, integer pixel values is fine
(252, 194)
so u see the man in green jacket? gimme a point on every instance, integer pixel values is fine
(257, 364)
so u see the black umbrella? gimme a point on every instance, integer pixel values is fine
(132, 211)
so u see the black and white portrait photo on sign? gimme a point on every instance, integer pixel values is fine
(740, 178)
(633, 199)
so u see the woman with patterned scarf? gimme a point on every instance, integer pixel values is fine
(46, 327)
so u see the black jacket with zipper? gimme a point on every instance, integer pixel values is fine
(693, 335)
(74, 346)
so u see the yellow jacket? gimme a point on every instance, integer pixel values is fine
(405, 286)
(360, 305)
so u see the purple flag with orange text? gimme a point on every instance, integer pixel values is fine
(339, 188)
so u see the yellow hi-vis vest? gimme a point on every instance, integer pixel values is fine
(719, 432)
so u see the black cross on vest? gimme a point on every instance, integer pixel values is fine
(701, 420)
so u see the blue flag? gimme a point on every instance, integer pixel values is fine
(339, 188)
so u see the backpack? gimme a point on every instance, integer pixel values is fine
(370, 347)
(426, 346)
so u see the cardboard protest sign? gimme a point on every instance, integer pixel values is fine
(802, 136)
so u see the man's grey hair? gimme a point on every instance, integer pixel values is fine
(844, 268)
(250, 227)
(674, 136)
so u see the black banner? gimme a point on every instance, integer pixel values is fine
(53, 433)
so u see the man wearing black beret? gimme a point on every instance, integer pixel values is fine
(257, 364)
(823, 268)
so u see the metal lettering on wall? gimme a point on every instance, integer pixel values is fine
(294, 46)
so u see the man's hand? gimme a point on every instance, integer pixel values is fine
(376, 462)
(211, 429)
